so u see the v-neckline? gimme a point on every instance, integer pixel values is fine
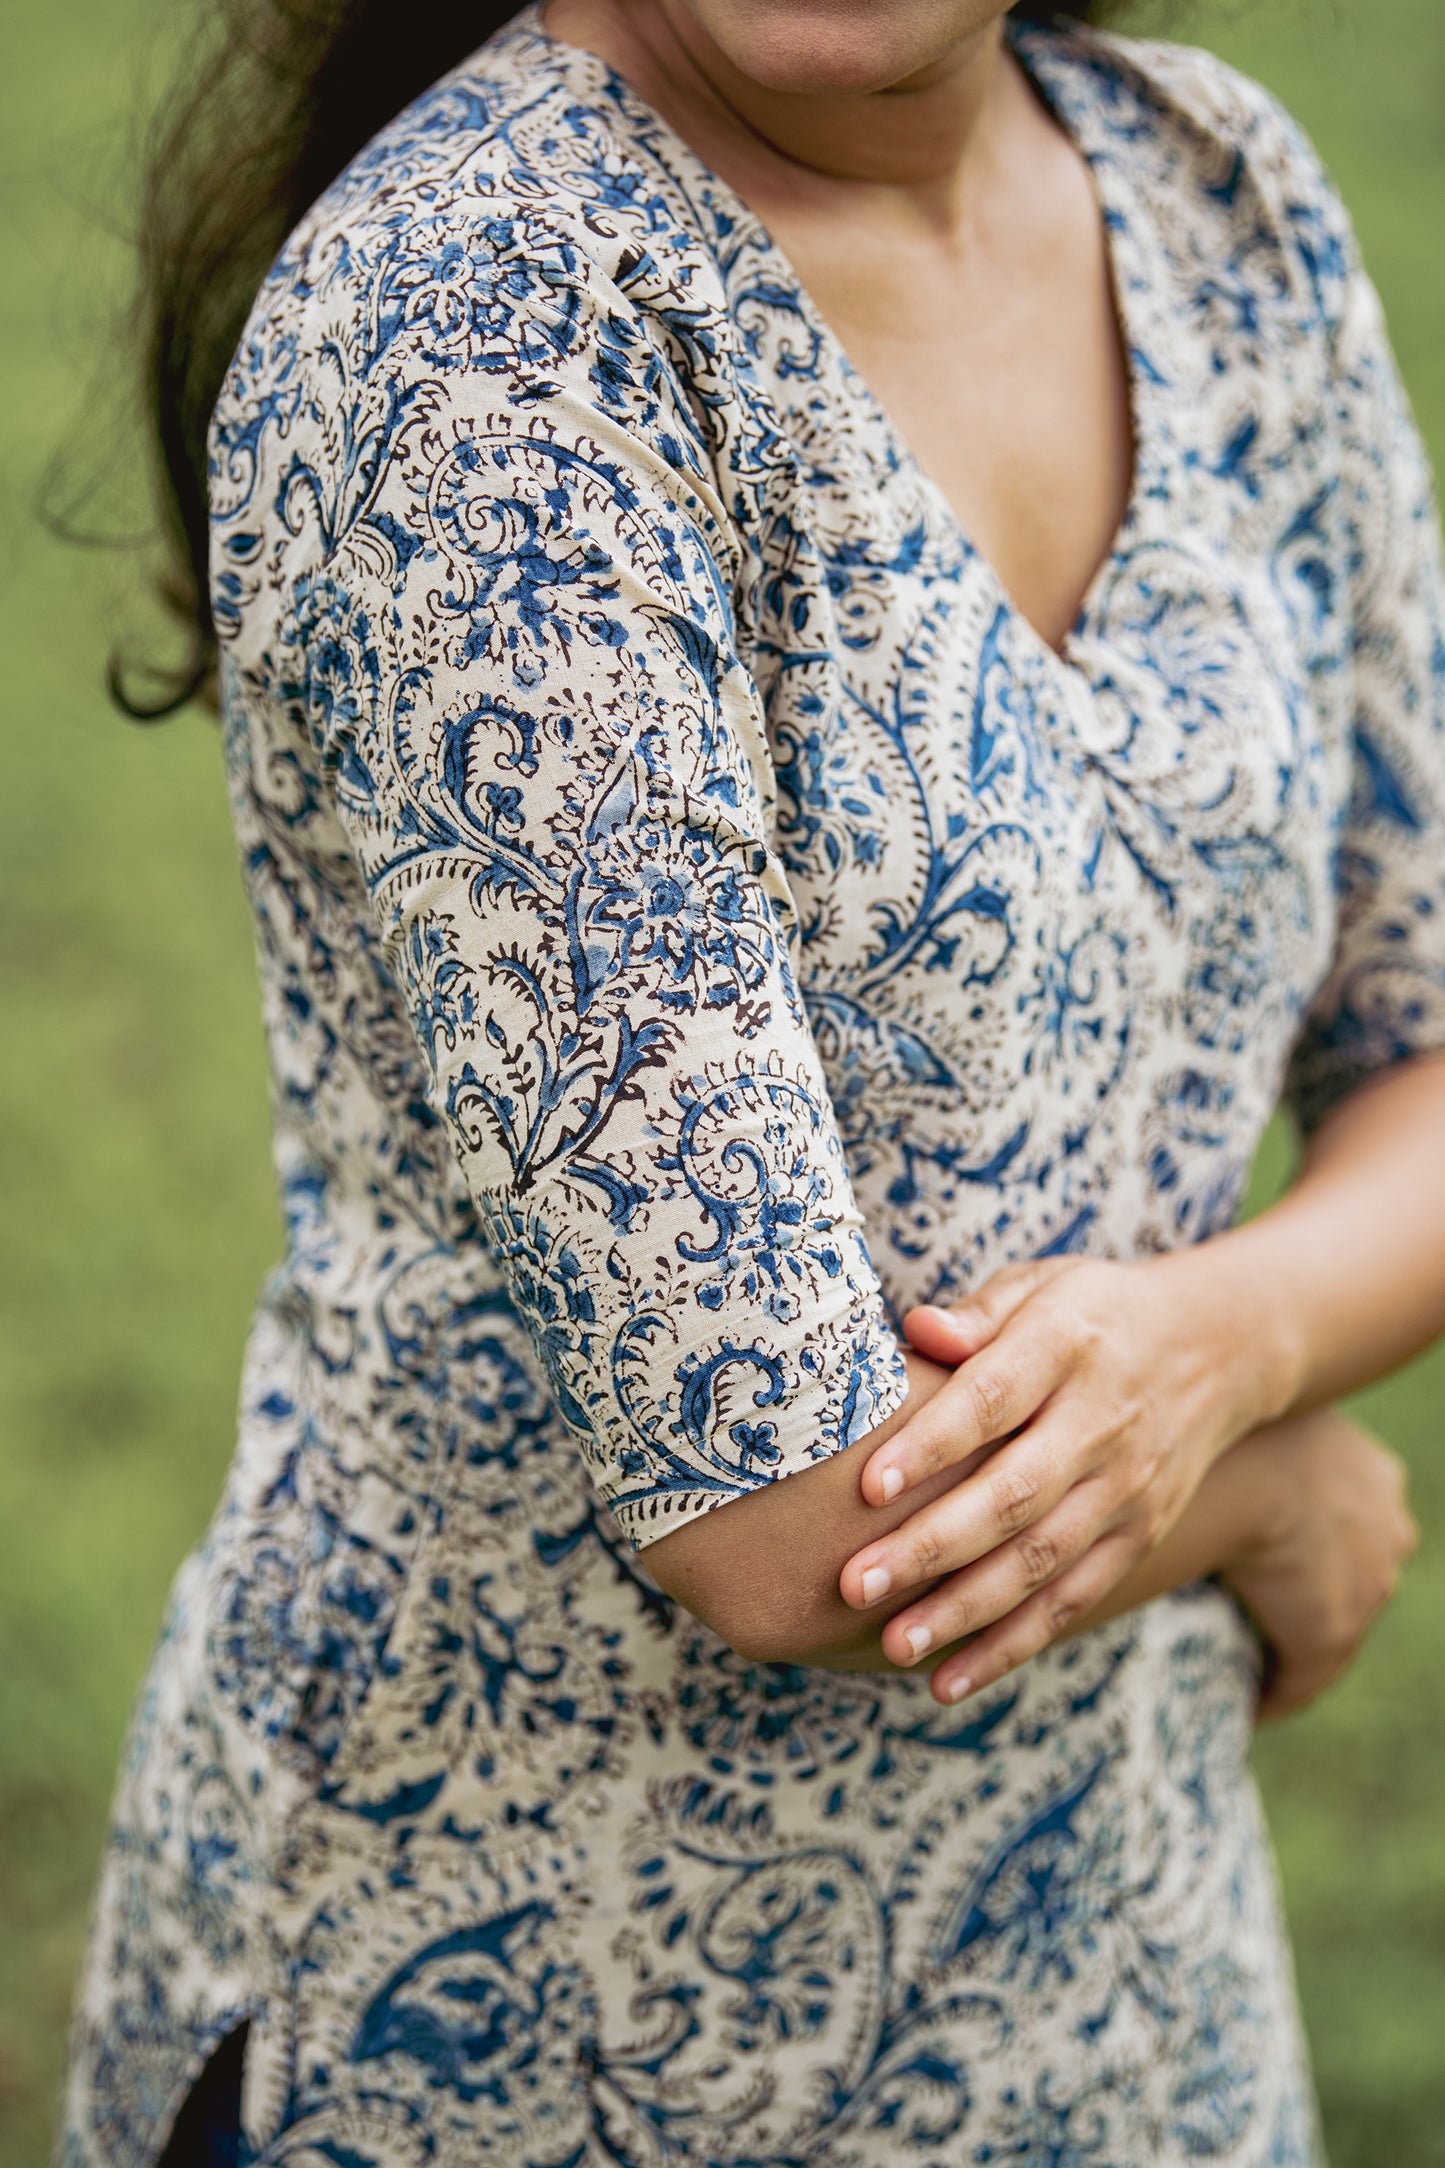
(1029, 44)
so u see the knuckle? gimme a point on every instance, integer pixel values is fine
(1014, 1493)
(930, 1452)
(1087, 1334)
(1150, 1524)
(1125, 1415)
(1144, 1455)
(1062, 1611)
(1144, 1484)
(989, 1396)
(1111, 1417)
(924, 1560)
(1138, 1509)
(1038, 1555)
(1055, 1313)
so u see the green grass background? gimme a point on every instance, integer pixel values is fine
(137, 1211)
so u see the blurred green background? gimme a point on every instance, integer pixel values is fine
(138, 1214)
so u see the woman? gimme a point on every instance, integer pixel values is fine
(830, 626)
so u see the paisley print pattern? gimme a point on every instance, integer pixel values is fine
(672, 858)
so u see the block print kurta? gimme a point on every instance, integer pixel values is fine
(698, 918)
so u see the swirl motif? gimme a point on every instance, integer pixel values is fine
(697, 919)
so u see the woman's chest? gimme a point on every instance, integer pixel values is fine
(1057, 921)
(998, 360)
(959, 806)
(1185, 750)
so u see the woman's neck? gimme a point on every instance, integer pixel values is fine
(919, 141)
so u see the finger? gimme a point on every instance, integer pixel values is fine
(1014, 1488)
(1291, 1683)
(1294, 1686)
(994, 1586)
(1035, 1625)
(951, 1332)
(985, 1399)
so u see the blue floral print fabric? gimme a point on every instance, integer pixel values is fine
(698, 917)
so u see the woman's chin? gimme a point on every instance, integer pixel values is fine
(838, 48)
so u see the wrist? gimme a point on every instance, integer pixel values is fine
(1268, 1474)
(1247, 1324)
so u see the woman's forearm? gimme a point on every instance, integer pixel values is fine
(763, 1572)
(1235, 1505)
(1344, 1278)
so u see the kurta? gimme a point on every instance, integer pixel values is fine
(698, 917)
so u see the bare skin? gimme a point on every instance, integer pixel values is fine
(1011, 388)
(1119, 1386)
(1085, 1434)
(1305, 1522)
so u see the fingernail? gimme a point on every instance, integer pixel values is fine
(956, 1689)
(919, 1640)
(876, 1583)
(890, 1483)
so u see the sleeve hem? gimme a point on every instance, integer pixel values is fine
(871, 1396)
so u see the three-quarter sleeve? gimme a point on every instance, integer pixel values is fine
(521, 669)
(1384, 996)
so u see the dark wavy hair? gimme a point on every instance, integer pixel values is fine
(273, 100)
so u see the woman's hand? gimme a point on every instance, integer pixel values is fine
(1110, 1390)
(1314, 1580)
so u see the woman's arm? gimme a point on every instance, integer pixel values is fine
(1245, 1507)
(1305, 1522)
(1350, 1265)
(1126, 1382)
(763, 1571)
(1048, 1473)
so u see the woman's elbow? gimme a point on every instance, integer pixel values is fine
(762, 1571)
(763, 1640)
(763, 1623)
